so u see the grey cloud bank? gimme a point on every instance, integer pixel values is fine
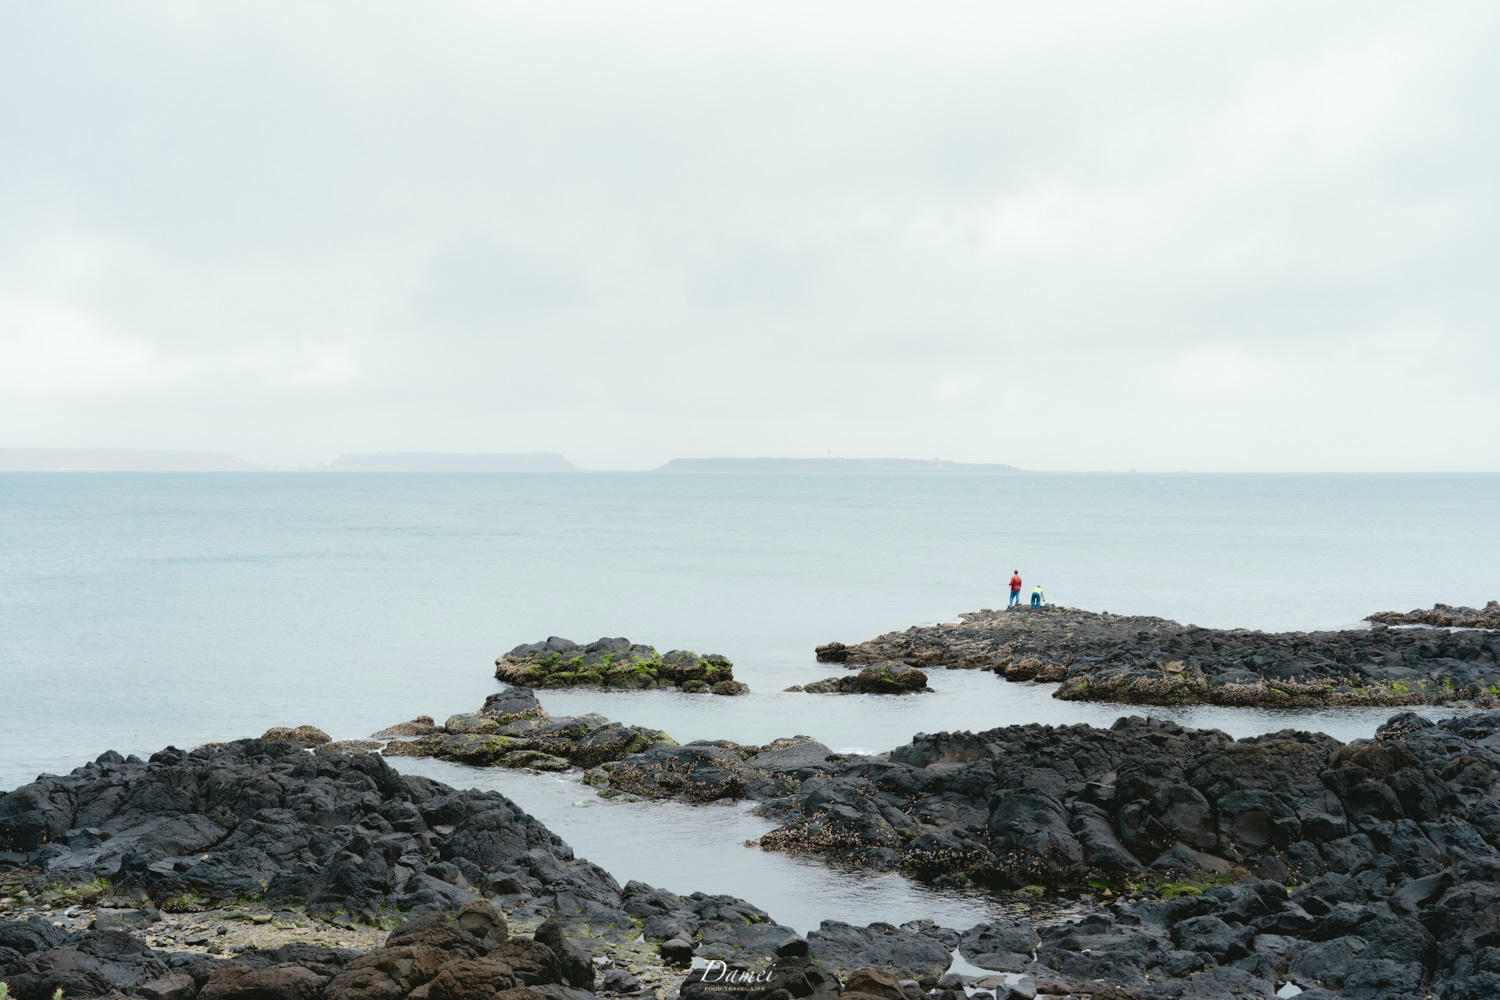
(1231, 236)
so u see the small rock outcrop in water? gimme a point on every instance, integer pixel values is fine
(1443, 616)
(616, 663)
(512, 729)
(885, 677)
(707, 771)
(1152, 661)
(303, 736)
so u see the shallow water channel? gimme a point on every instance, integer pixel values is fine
(689, 848)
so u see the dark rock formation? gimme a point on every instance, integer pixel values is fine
(343, 836)
(1104, 657)
(1443, 616)
(303, 736)
(512, 729)
(1391, 847)
(1149, 799)
(1365, 870)
(708, 771)
(422, 725)
(615, 663)
(885, 677)
(437, 956)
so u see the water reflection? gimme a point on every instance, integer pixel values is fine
(702, 848)
(689, 848)
(962, 700)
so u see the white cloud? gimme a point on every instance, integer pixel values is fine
(51, 350)
(628, 233)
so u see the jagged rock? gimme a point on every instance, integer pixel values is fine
(303, 736)
(422, 725)
(279, 982)
(615, 663)
(885, 677)
(1443, 616)
(530, 738)
(1143, 660)
(708, 771)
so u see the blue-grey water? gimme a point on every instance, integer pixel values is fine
(138, 610)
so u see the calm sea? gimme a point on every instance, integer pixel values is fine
(138, 610)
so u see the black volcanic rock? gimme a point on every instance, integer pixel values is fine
(1152, 661)
(1443, 616)
(615, 663)
(885, 677)
(706, 771)
(1367, 869)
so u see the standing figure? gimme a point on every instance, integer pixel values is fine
(1015, 588)
(1036, 596)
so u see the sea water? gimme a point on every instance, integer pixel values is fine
(141, 610)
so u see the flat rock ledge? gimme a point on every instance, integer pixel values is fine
(885, 677)
(616, 663)
(512, 729)
(1443, 616)
(1151, 661)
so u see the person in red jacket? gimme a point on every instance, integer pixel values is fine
(1015, 588)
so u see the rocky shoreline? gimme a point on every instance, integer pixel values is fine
(1147, 860)
(1206, 867)
(1152, 661)
(130, 876)
(1443, 616)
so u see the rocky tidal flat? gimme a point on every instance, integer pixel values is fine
(1142, 861)
(1152, 661)
(1199, 866)
(1443, 616)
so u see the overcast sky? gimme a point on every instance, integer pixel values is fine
(1065, 236)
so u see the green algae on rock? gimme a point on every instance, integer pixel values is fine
(885, 677)
(513, 730)
(616, 663)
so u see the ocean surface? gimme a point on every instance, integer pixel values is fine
(141, 610)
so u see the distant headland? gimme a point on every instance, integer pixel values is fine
(837, 466)
(163, 460)
(119, 460)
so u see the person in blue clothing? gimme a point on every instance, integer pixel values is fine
(1036, 596)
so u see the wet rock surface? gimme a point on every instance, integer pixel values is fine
(1443, 616)
(1366, 869)
(512, 729)
(285, 836)
(1220, 868)
(707, 771)
(438, 956)
(885, 677)
(616, 663)
(1142, 660)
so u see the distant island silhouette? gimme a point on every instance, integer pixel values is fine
(836, 466)
(119, 460)
(166, 460)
